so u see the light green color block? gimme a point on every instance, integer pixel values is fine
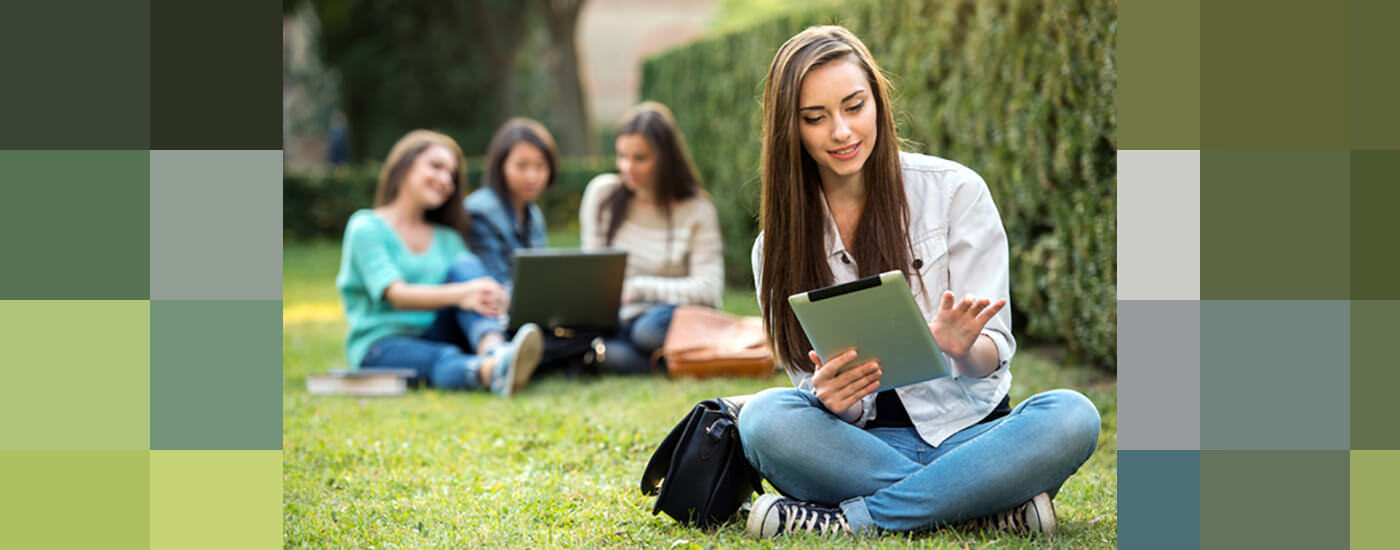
(77, 375)
(75, 499)
(1375, 480)
(216, 499)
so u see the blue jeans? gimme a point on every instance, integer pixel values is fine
(444, 355)
(630, 350)
(890, 478)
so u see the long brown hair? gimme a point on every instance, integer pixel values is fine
(402, 156)
(794, 251)
(516, 131)
(676, 178)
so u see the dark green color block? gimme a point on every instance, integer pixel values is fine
(76, 75)
(1274, 499)
(1375, 225)
(1273, 75)
(216, 77)
(1159, 495)
(216, 375)
(1375, 374)
(1159, 75)
(1374, 82)
(76, 224)
(75, 499)
(1274, 225)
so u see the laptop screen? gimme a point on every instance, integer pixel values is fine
(566, 288)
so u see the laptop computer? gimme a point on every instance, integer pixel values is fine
(554, 287)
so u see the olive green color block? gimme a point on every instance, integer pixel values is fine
(216, 499)
(1159, 75)
(1375, 481)
(1375, 374)
(1274, 225)
(1375, 224)
(1373, 84)
(1274, 499)
(76, 224)
(76, 75)
(75, 499)
(216, 375)
(1273, 75)
(75, 375)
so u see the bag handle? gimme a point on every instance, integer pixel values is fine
(660, 461)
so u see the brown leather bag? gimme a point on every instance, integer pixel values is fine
(704, 343)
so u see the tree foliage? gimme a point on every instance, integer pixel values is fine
(451, 65)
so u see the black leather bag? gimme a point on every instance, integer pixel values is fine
(574, 351)
(699, 474)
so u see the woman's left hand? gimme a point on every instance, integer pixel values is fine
(958, 323)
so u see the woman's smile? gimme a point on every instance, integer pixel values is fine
(846, 153)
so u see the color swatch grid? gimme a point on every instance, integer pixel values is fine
(1259, 156)
(140, 303)
(140, 152)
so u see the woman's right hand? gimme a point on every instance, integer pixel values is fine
(483, 295)
(839, 389)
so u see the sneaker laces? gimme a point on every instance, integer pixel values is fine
(1013, 519)
(805, 517)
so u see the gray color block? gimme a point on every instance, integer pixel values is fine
(1275, 375)
(1159, 225)
(1159, 375)
(216, 225)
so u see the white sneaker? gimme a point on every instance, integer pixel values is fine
(1036, 517)
(773, 515)
(516, 361)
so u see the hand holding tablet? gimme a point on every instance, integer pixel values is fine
(839, 385)
(877, 317)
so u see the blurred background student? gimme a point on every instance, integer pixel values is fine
(521, 163)
(414, 296)
(655, 209)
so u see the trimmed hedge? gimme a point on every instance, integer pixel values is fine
(318, 205)
(1022, 91)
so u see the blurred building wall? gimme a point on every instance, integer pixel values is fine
(614, 37)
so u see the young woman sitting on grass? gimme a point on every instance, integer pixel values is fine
(521, 163)
(654, 209)
(840, 202)
(414, 296)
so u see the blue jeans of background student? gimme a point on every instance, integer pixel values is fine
(443, 355)
(630, 349)
(890, 478)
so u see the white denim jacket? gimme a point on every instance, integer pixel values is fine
(959, 245)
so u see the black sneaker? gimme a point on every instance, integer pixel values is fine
(1035, 517)
(773, 515)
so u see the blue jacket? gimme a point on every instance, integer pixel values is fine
(494, 235)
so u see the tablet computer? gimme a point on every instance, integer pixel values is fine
(877, 316)
(566, 288)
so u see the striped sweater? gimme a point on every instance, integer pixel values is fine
(688, 270)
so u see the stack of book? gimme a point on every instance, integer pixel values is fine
(360, 382)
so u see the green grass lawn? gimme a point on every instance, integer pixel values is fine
(557, 466)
